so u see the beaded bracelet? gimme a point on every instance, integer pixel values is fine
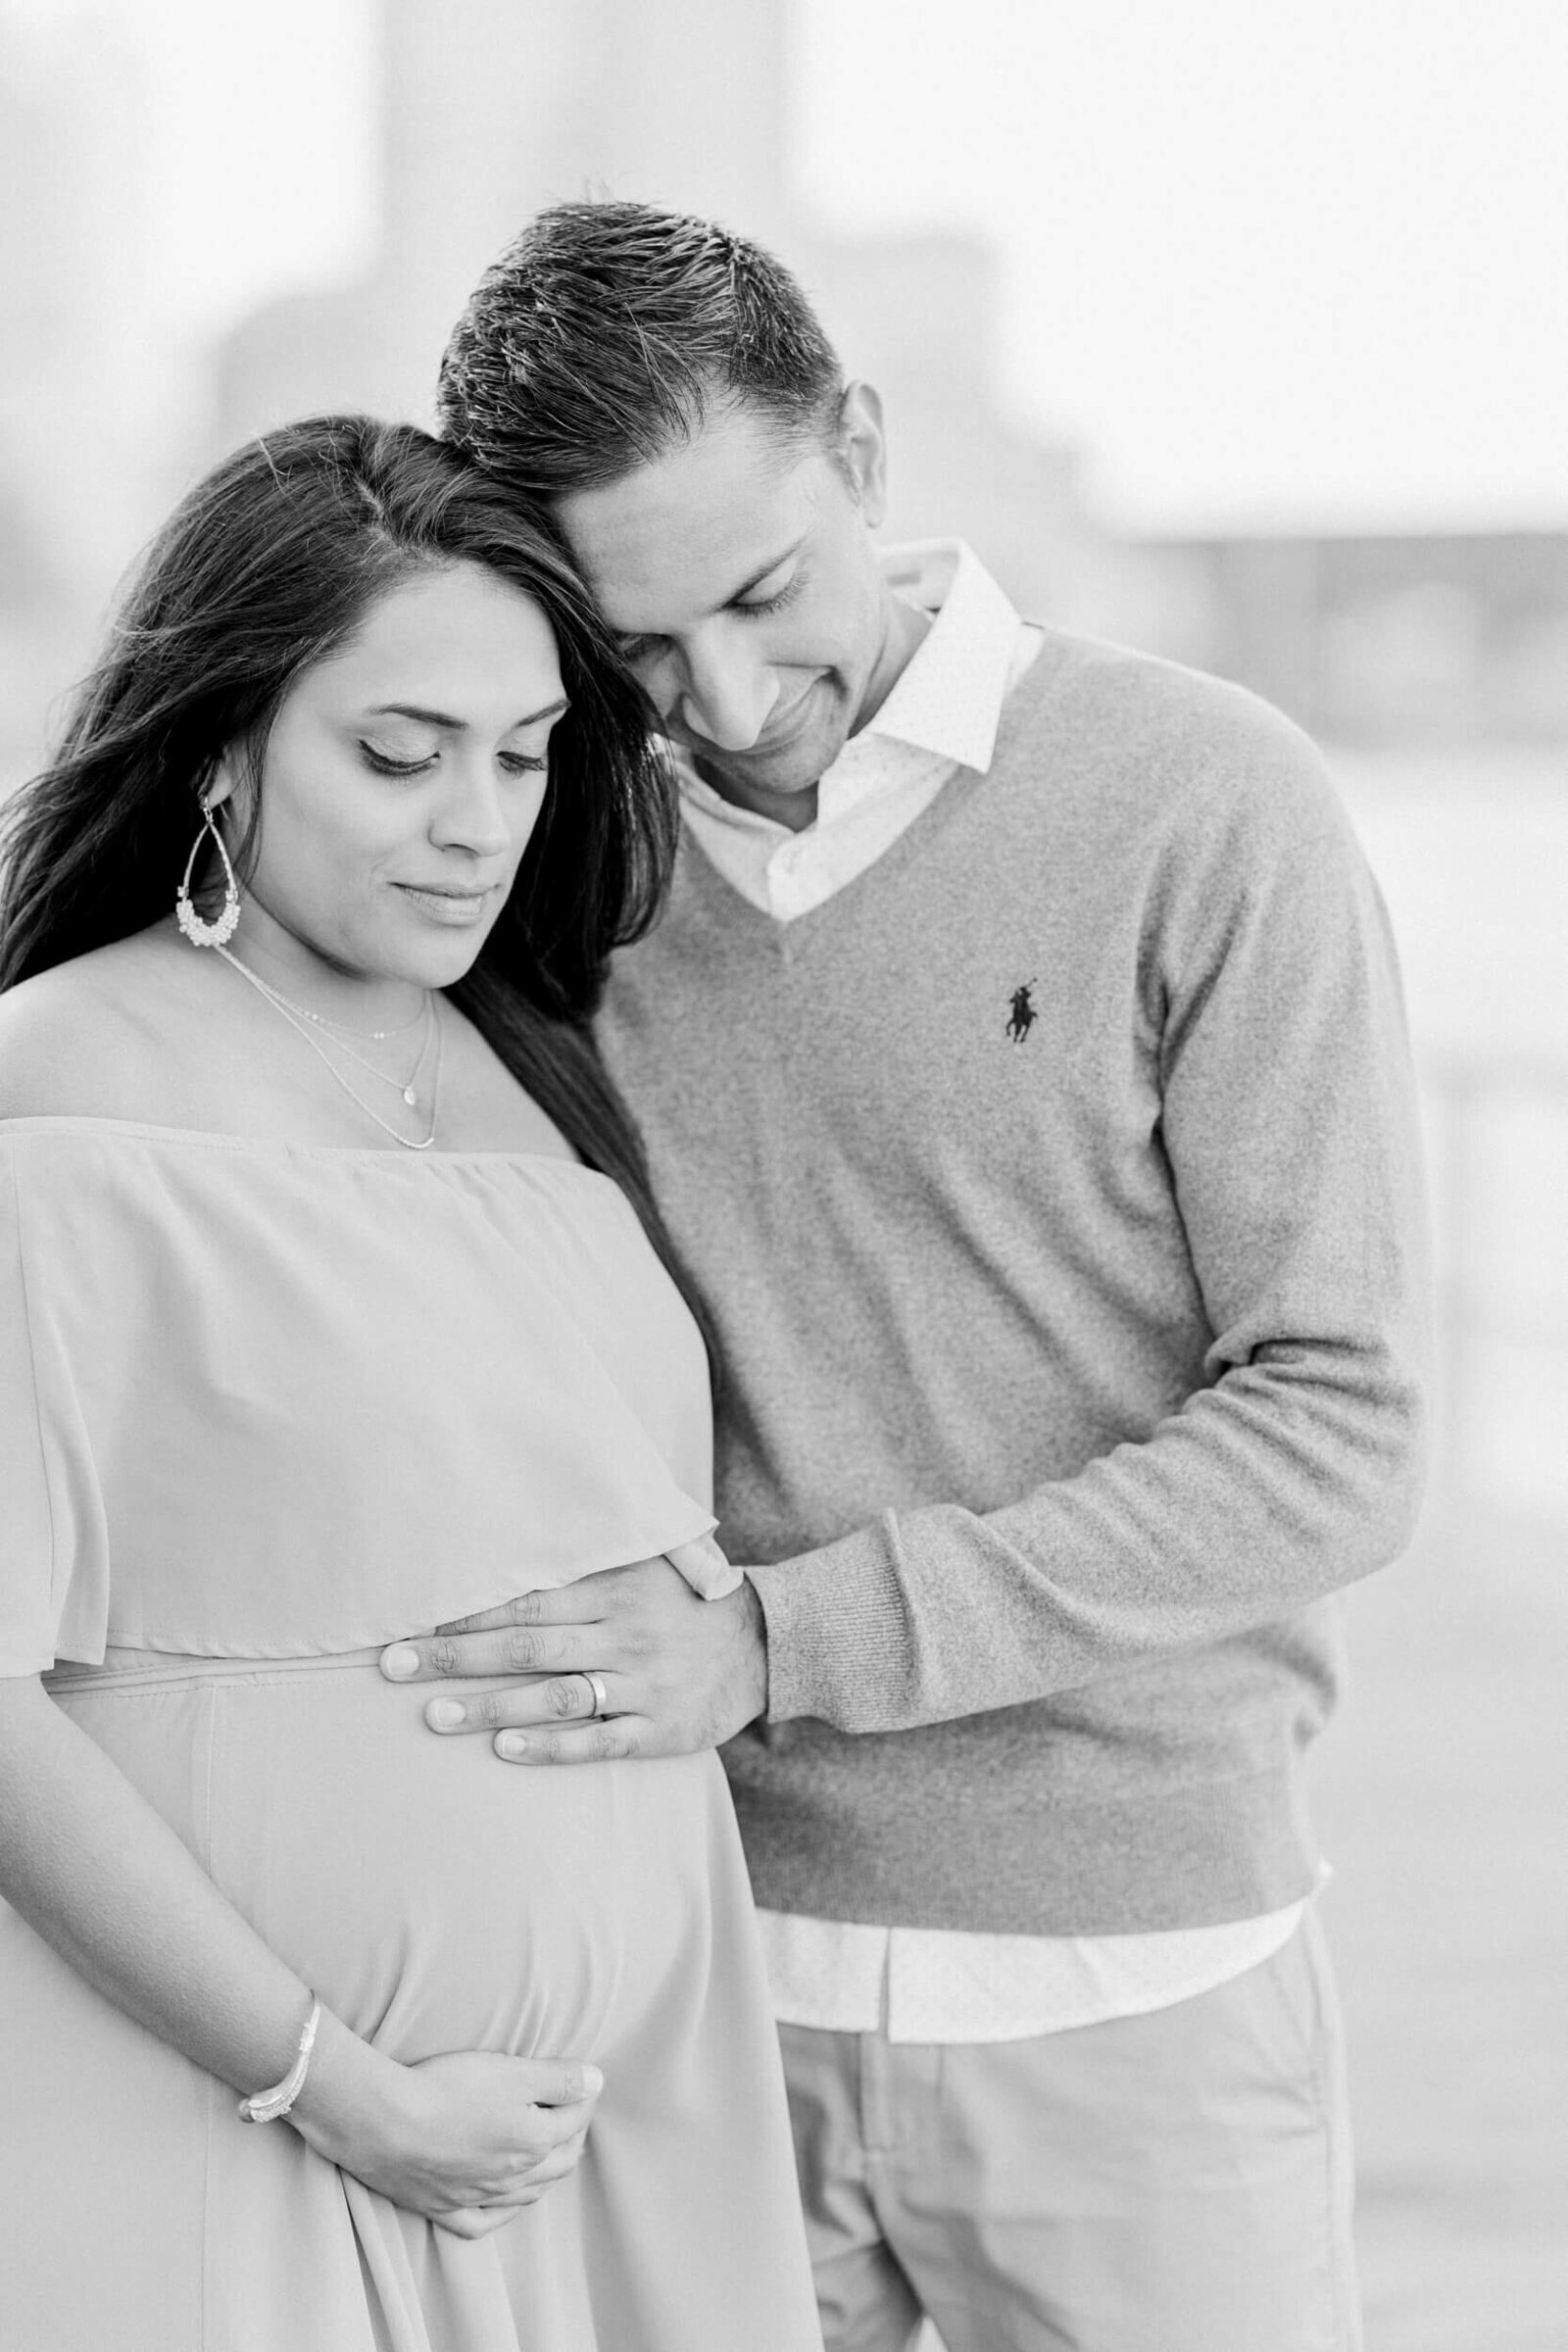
(270, 2106)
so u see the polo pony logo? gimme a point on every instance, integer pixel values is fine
(1023, 1016)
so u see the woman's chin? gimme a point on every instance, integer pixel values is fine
(415, 943)
(440, 935)
(443, 965)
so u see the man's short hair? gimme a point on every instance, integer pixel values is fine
(607, 334)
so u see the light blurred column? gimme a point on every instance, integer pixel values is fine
(488, 113)
(95, 406)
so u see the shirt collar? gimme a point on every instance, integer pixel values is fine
(948, 698)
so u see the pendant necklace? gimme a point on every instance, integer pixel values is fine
(299, 1018)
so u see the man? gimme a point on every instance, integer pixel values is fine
(1023, 1073)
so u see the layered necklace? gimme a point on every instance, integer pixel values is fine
(308, 1024)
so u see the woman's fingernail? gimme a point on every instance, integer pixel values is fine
(511, 1744)
(444, 1714)
(401, 1661)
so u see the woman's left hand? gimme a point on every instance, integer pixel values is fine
(679, 1673)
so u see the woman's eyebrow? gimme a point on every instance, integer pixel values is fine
(444, 718)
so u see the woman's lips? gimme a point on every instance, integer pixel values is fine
(455, 907)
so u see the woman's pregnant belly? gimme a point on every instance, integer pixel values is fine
(434, 1897)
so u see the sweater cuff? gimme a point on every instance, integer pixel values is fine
(839, 1634)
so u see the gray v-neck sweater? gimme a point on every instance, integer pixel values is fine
(1055, 1189)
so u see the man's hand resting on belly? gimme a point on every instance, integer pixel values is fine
(678, 1673)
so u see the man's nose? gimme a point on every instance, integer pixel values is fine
(727, 695)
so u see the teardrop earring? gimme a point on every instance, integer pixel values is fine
(202, 934)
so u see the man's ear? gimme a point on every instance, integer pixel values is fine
(863, 449)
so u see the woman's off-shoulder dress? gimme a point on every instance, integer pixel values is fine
(262, 1409)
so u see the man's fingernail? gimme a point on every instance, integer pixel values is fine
(445, 1714)
(511, 1745)
(593, 2081)
(401, 1661)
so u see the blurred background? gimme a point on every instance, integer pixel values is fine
(1236, 331)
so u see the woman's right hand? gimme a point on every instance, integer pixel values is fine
(467, 2139)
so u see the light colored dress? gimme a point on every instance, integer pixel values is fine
(264, 1408)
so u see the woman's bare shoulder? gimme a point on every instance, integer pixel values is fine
(73, 1040)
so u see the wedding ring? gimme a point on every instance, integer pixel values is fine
(601, 1705)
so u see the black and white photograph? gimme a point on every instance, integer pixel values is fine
(783, 1155)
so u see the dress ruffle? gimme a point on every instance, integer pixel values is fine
(278, 1400)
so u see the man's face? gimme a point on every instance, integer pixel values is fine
(739, 575)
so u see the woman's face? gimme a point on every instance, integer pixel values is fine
(401, 778)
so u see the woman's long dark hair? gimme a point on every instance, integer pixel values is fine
(264, 568)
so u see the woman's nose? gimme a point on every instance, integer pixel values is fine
(473, 816)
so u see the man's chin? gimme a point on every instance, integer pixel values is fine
(738, 777)
(796, 764)
(779, 773)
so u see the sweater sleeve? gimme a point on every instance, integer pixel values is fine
(1290, 1128)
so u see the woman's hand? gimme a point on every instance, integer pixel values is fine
(466, 2139)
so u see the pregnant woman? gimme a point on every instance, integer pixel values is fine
(331, 1308)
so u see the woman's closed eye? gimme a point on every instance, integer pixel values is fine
(402, 762)
(390, 763)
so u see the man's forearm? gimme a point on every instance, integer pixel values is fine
(1287, 1480)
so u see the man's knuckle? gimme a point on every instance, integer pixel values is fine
(525, 1649)
(444, 1656)
(489, 1708)
(565, 1696)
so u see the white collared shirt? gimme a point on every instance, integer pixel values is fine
(925, 1984)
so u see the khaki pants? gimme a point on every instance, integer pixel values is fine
(1175, 2182)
